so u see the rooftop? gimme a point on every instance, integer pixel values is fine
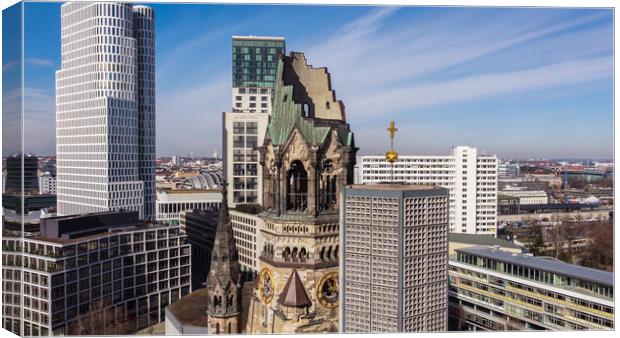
(192, 309)
(394, 186)
(252, 37)
(545, 264)
(480, 240)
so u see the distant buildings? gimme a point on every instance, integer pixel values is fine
(492, 289)
(527, 197)
(18, 174)
(470, 177)
(106, 157)
(171, 202)
(109, 262)
(508, 169)
(254, 59)
(394, 240)
(47, 184)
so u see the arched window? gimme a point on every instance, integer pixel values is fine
(297, 187)
(217, 328)
(327, 104)
(286, 254)
(302, 255)
(294, 255)
(322, 254)
(336, 252)
(329, 254)
(327, 186)
(230, 327)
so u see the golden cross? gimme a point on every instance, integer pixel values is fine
(392, 129)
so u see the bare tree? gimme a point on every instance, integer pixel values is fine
(101, 320)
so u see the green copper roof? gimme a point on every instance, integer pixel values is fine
(287, 114)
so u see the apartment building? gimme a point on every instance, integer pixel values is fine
(80, 264)
(470, 177)
(394, 240)
(492, 289)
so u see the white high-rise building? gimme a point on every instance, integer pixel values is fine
(242, 133)
(47, 184)
(105, 109)
(470, 177)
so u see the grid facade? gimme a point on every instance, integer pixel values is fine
(243, 132)
(470, 177)
(255, 60)
(245, 228)
(395, 261)
(488, 294)
(135, 272)
(105, 128)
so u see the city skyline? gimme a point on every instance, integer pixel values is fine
(481, 82)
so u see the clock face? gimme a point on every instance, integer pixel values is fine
(266, 285)
(327, 290)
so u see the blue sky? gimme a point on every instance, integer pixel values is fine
(516, 82)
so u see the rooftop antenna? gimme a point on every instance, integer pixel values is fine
(391, 155)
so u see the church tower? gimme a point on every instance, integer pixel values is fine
(307, 157)
(223, 281)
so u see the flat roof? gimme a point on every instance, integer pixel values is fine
(480, 240)
(545, 264)
(394, 186)
(252, 37)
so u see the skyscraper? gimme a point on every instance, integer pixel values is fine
(255, 59)
(105, 109)
(395, 258)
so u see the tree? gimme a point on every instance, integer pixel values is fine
(101, 320)
(536, 238)
(601, 250)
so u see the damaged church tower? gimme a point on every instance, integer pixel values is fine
(307, 158)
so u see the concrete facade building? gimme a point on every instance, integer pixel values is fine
(246, 229)
(242, 133)
(492, 289)
(58, 277)
(508, 170)
(47, 184)
(105, 109)
(170, 202)
(394, 240)
(470, 177)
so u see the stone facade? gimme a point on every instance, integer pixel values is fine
(307, 157)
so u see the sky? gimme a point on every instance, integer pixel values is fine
(516, 82)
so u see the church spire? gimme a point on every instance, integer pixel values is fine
(223, 280)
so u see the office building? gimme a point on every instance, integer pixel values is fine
(47, 183)
(105, 109)
(242, 133)
(526, 197)
(77, 265)
(508, 205)
(171, 202)
(254, 60)
(394, 240)
(247, 224)
(507, 169)
(470, 177)
(21, 172)
(492, 289)
(199, 227)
